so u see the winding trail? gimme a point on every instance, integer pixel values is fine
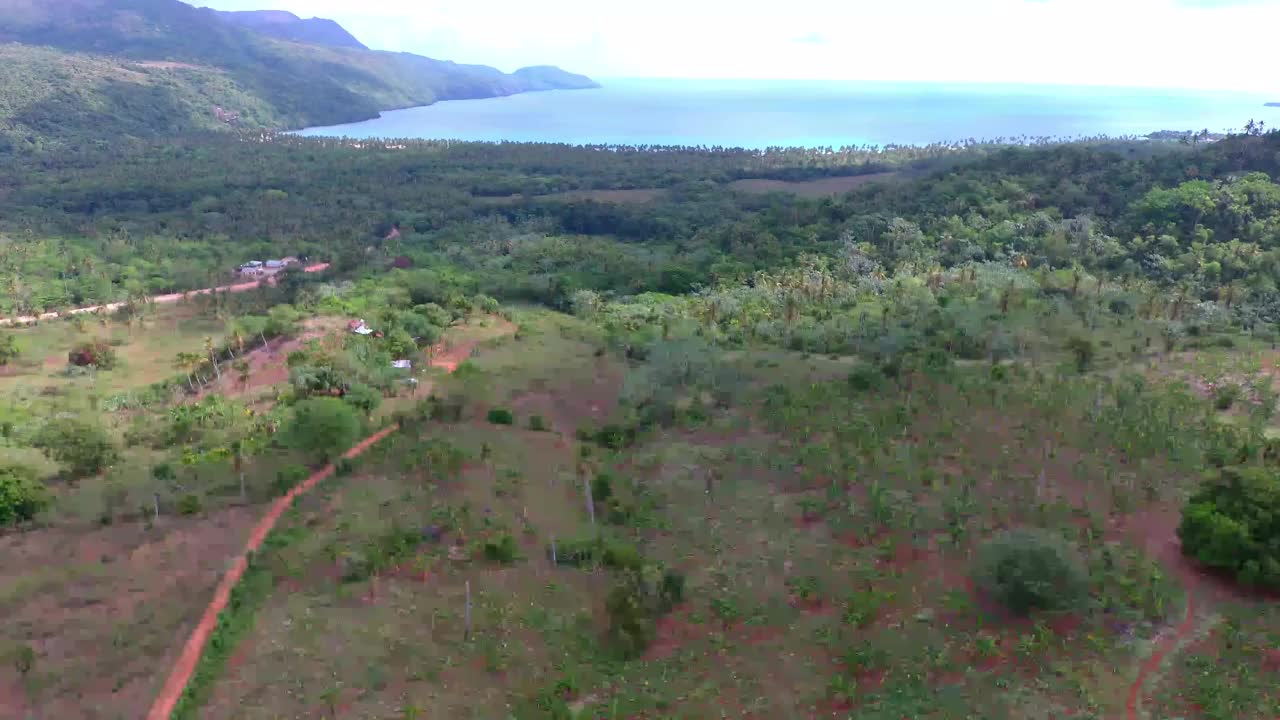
(447, 357)
(158, 299)
(1163, 648)
(185, 666)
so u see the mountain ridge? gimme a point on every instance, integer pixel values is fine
(285, 25)
(103, 69)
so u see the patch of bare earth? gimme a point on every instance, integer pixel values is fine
(634, 196)
(103, 608)
(565, 408)
(822, 187)
(267, 366)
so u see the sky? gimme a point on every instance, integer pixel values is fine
(1203, 44)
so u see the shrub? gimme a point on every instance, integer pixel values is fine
(671, 591)
(22, 495)
(1232, 523)
(501, 549)
(622, 556)
(538, 424)
(363, 398)
(82, 446)
(602, 488)
(92, 353)
(288, 477)
(344, 466)
(581, 552)
(323, 427)
(189, 505)
(632, 620)
(1082, 352)
(615, 437)
(8, 349)
(500, 416)
(1027, 570)
(1226, 395)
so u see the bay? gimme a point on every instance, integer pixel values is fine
(758, 114)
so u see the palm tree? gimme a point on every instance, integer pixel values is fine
(213, 358)
(237, 458)
(187, 362)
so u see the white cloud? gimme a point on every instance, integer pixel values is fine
(1172, 43)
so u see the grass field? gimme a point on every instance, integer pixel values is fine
(824, 517)
(826, 533)
(101, 591)
(822, 187)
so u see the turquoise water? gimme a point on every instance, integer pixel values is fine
(758, 114)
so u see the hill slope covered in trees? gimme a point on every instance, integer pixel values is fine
(287, 26)
(103, 68)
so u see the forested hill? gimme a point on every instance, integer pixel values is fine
(287, 26)
(99, 69)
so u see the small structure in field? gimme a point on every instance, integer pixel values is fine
(259, 268)
(359, 327)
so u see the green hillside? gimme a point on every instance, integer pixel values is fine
(105, 68)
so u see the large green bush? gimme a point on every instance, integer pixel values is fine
(1028, 570)
(323, 427)
(92, 353)
(22, 495)
(1232, 523)
(82, 446)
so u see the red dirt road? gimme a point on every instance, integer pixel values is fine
(191, 652)
(1163, 647)
(160, 299)
(446, 356)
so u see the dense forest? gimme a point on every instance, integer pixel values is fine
(935, 432)
(537, 222)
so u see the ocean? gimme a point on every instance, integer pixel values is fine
(758, 114)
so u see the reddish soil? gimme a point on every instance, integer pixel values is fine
(191, 652)
(121, 581)
(673, 631)
(267, 367)
(448, 358)
(823, 187)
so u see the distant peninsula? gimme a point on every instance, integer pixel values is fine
(107, 69)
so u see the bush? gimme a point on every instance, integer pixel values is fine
(1232, 523)
(288, 477)
(92, 353)
(8, 349)
(22, 495)
(82, 446)
(1027, 570)
(601, 488)
(621, 555)
(189, 505)
(632, 618)
(501, 416)
(1082, 352)
(363, 398)
(323, 427)
(500, 550)
(581, 552)
(538, 424)
(1226, 395)
(615, 437)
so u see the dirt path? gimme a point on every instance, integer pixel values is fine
(1163, 647)
(191, 652)
(448, 356)
(158, 299)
